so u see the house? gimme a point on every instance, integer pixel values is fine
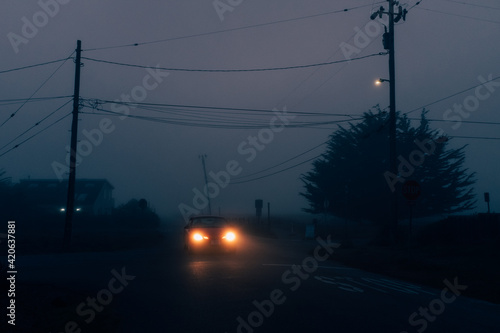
(92, 196)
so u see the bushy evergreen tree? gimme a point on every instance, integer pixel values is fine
(352, 179)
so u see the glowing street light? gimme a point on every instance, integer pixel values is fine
(379, 81)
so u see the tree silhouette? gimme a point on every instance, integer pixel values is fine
(136, 213)
(143, 204)
(352, 177)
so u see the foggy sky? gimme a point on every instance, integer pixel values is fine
(438, 53)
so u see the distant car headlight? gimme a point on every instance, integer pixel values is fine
(197, 237)
(230, 236)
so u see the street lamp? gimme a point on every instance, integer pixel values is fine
(379, 81)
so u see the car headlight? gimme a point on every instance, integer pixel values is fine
(197, 237)
(230, 236)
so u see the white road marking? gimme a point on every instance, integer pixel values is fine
(379, 284)
(396, 286)
(341, 285)
(364, 285)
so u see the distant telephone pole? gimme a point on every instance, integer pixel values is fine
(206, 182)
(70, 205)
(388, 41)
(268, 214)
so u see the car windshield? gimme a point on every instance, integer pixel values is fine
(209, 222)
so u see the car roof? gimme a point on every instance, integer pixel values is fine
(206, 216)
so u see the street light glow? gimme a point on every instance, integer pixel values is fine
(379, 81)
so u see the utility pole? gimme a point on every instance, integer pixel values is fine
(392, 118)
(388, 42)
(206, 182)
(268, 215)
(70, 206)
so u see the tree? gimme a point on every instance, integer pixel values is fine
(136, 213)
(143, 204)
(353, 176)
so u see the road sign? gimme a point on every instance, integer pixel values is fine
(258, 207)
(411, 190)
(487, 200)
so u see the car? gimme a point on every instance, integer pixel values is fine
(208, 232)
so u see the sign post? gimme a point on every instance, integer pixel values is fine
(259, 203)
(487, 200)
(411, 191)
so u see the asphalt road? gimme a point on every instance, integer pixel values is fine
(260, 290)
(270, 285)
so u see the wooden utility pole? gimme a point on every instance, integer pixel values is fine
(206, 182)
(70, 205)
(268, 214)
(388, 42)
(392, 118)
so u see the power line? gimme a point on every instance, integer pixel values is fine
(36, 124)
(452, 95)
(30, 100)
(219, 117)
(234, 70)
(40, 87)
(336, 72)
(318, 87)
(36, 65)
(462, 121)
(34, 135)
(238, 181)
(340, 69)
(316, 157)
(182, 106)
(314, 72)
(279, 164)
(459, 15)
(415, 5)
(473, 4)
(213, 123)
(275, 173)
(228, 30)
